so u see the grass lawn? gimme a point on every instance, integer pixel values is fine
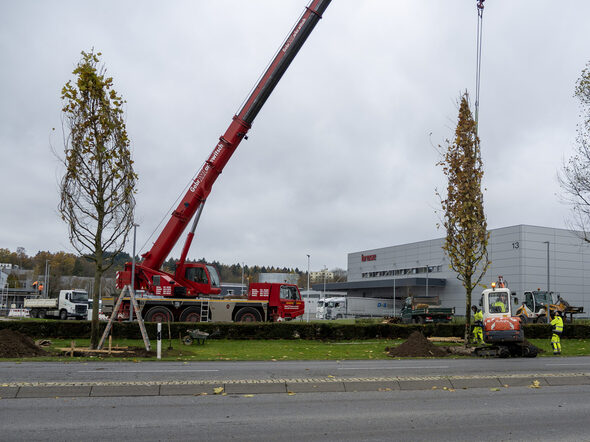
(278, 350)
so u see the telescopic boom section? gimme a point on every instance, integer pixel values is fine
(229, 141)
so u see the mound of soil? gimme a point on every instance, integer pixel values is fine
(416, 346)
(14, 344)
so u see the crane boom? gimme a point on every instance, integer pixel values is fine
(200, 188)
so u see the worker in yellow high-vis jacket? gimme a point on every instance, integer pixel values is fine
(557, 324)
(477, 326)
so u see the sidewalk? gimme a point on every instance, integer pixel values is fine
(286, 386)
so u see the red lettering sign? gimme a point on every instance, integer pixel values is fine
(368, 257)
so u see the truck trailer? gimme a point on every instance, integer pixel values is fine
(345, 307)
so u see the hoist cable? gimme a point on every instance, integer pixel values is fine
(478, 65)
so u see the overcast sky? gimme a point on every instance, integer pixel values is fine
(342, 157)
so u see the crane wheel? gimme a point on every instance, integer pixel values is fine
(248, 314)
(159, 314)
(191, 314)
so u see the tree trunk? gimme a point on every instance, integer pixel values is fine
(468, 290)
(94, 328)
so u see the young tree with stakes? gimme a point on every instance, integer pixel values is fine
(574, 178)
(97, 189)
(464, 219)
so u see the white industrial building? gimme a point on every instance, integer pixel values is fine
(528, 257)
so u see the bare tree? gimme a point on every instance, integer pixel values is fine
(464, 218)
(97, 189)
(574, 177)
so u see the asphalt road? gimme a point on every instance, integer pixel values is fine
(520, 413)
(11, 372)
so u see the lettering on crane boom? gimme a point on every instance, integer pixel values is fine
(206, 168)
(294, 34)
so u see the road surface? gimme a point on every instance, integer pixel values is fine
(519, 413)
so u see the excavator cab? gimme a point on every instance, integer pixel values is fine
(502, 333)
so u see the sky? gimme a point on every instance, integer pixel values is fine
(341, 159)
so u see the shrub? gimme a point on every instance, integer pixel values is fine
(328, 331)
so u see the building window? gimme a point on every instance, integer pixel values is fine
(403, 272)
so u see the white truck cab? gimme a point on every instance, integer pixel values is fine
(71, 303)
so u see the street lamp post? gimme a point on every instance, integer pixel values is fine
(242, 278)
(427, 272)
(46, 279)
(133, 272)
(548, 287)
(394, 295)
(547, 242)
(308, 257)
(325, 269)
(307, 310)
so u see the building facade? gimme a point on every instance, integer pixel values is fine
(528, 258)
(320, 276)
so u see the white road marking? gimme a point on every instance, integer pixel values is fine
(581, 363)
(391, 368)
(143, 371)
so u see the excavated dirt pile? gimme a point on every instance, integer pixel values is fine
(416, 346)
(14, 344)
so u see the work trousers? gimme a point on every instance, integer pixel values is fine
(477, 335)
(556, 343)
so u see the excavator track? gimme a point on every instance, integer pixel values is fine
(514, 350)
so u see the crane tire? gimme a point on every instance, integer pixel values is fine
(159, 314)
(191, 314)
(248, 314)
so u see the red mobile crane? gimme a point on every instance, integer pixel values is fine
(188, 294)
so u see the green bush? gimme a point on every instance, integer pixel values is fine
(327, 331)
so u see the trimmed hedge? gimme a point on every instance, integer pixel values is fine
(267, 330)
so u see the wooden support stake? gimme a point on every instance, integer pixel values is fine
(72, 346)
(110, 343)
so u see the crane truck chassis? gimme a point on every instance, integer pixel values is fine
(169, 294)
(264, 302)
